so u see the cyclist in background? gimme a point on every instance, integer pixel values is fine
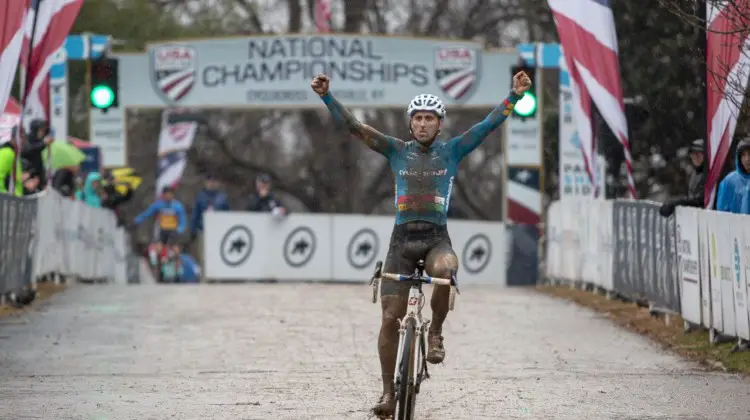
(171, 220)
(424, 170)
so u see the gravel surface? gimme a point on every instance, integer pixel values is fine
(301, 351)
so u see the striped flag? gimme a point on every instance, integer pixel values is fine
(589, 42)
(728, 68)
(178, 130)
(13, 14)
(322, 15)
(48, 22)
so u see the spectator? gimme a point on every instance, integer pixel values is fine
(263, 200)
(64, 181)
(734, 189)
(30, 179)
(90, 191)
(37, 140)
(696, 184)
(7, 156)
(211, 198)
(112, 199)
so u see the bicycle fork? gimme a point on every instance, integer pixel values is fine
(420, 359)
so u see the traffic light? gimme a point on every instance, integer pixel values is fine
(104, 83)
(526, 107)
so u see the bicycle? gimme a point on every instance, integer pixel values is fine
(411, 363)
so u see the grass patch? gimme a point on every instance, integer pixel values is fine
(43, 291)
(693, 345)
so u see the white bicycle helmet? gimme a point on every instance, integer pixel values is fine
(426, 102)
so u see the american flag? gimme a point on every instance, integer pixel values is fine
(49, 22)
(589, 42)
(11, 39)
(322, 15)
(728, 69)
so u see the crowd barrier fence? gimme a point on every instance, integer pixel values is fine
(695, 263)
(47, 235)
(240, 246)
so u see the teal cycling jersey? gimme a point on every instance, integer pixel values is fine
(424, 175)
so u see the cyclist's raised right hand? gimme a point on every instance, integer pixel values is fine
(320, 84)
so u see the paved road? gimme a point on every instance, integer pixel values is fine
(308, 352)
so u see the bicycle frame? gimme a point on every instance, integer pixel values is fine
(413, 314)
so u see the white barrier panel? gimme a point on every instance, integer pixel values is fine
(606, 244)
(75, 239)
(570, 266)
(553, 239)
(715, 236)
(739, 273)
(704, 251)
(235, 245)
(257, 246)
(689, 270)
(302, 248)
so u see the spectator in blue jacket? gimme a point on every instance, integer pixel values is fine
(734, 189)
(89, 194)
(211, 198)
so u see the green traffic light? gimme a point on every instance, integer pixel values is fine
(102, 96)
(526, 106)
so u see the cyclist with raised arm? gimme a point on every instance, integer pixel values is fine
(424, 169)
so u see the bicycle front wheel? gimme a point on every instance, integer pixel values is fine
(406, 394)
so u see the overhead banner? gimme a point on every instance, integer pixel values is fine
(365, 71)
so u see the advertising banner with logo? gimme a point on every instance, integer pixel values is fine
(574, 180)
(718, 233)
(359, 245)
(645, 254)
(713, 307)
(743, 314)
(365, 71)
(236, 245)
(689, 270)
(704, 250)
(482, 249)
(343, 248)
(302, 247)
(724, 247)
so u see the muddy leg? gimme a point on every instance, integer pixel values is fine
(393, 300)
(441, 262)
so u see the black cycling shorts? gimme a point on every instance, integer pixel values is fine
(168, 237)
(411, 242)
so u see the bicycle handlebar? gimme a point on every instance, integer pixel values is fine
(422, 279)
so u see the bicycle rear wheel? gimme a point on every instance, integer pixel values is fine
(406, 394)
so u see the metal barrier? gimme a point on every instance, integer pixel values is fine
(48, 235)
(695, 263)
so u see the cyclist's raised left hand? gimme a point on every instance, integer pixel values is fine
(521, 83)
(320, 84)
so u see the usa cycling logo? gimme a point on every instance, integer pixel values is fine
(173, 71)
(457, 71)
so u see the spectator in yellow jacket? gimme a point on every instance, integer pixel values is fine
(7, 155)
